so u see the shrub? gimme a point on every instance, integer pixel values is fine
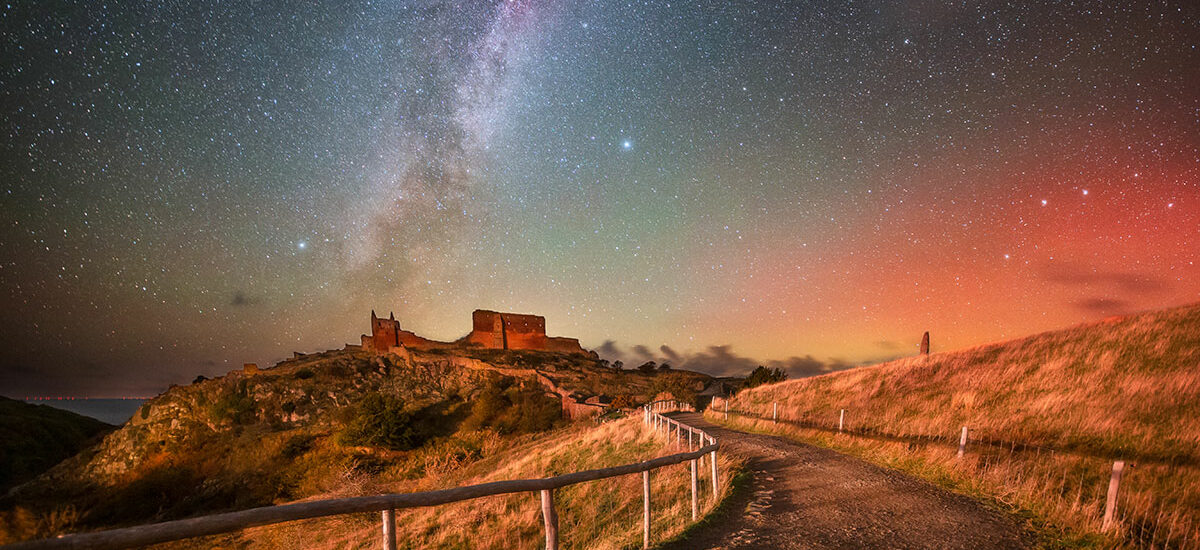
(513, 408)
(297, 445)
(304, 374)
(677, 384)
(381, 421)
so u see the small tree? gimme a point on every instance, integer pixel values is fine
(664, 366)
(618, 364)
(647, 367)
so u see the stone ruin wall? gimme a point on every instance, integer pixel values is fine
(490, 330)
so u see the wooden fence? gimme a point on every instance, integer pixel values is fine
(699, 445)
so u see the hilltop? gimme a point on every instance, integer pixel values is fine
(35, 437)
(308, 425)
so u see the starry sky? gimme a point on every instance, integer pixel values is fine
(187, 186)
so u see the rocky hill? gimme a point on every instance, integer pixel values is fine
(305, 426)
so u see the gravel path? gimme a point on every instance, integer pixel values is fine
(809, 497)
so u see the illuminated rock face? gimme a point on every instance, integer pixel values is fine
(489, 329)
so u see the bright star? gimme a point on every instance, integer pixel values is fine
(301, 245)
(627, 145)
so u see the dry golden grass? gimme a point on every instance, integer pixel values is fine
(1048, 414)
(601, 514)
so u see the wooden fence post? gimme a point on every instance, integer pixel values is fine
(695, 493)
(550, 517)
(389, 529)
(646, 509)
(962, 442)
(1110, 506)
(774, 413)
(726, 401)
(841, 419)
(713, 459)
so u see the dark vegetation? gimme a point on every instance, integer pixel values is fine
(35, 437)
(512, 407)
(763, 375)
(382, 421)
(676, 383)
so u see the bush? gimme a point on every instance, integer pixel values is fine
(513, 408)
(381, 421)
(677, 384)
(304, 374)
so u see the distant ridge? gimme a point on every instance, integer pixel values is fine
(33, 438)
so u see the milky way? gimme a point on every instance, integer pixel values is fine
(186, 187)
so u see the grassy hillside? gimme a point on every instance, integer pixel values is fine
(320, 424)
(35, 437)
(602, 514)
(1047, 415)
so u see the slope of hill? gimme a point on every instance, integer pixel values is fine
(35, 437)
(1061, 404)
(315, 425)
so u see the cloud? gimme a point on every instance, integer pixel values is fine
(722, 360)
(719, 361)
(240, 299)
(609, 350)
(1124, 282)
(890, 345)
(643, 353)
(1102, 305)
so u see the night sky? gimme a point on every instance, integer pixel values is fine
(187, 186)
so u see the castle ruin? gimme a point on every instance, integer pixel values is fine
(489, 330)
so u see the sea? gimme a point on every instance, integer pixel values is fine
(112, 411)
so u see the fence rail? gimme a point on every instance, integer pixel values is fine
(387, 504)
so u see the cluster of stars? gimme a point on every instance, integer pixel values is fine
(186, 186)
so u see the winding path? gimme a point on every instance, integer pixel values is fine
(809, 497)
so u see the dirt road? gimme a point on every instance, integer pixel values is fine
(808, 497)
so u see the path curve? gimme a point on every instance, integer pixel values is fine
(803, 496)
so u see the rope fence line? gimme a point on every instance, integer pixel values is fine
(1093, 488)
(699, 445)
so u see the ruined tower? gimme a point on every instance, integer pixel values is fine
(925, 344)
(385, 334)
